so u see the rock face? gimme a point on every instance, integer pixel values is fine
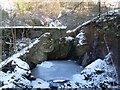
(102, 36)
(47, 43)
(61, 50)
(86, 43)
(37, 53)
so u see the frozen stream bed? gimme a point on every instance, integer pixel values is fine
(56, 70)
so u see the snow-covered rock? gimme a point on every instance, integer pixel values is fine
(95, 74)
(15, 78)
(39, 83)
(81, 37)
(20, 77)
(21, 66)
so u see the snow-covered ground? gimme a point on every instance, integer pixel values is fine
(67, 74)
(59, 74)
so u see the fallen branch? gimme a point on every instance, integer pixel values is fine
(110, 57)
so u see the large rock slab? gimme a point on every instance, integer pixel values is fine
(37, 53)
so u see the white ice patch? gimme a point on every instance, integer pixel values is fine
(46, 64)
(58, 81)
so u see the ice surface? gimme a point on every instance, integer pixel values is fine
(46, 64)
(56, 70)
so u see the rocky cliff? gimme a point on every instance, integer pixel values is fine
(102, 36)
(86, 43)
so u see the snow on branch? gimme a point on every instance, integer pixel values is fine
(18, 54)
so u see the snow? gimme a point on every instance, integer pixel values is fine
(56, 70)
(36, 27)
(46, 64)
(22, 43)
(18, 54)
(69, 38)
(91, 69)
(60, 14)
(96, 65)
(22, 67)
(61, 74)
(58, 80)
(9, 79)
(55, 23)
(81, 38)
(15, 78)
(117, 11)
(85, 23)
(95, 79)
(11, 85)
(39, 83)
(99, 65)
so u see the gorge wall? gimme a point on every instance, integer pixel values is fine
(84, 44)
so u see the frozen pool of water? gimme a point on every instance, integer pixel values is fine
(56, 70)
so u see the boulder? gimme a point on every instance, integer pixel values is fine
(37, 53)
(61, 50)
